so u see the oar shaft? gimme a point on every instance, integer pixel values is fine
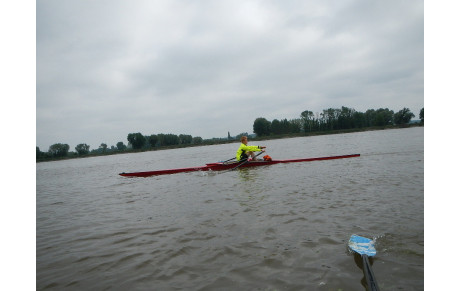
(369, 275)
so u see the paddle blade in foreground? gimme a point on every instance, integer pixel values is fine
(362, 245)
(365, 247)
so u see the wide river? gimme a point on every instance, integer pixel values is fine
(279, 227)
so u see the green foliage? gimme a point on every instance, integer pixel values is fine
(197, 140)
(359, 119)
(41, 155)
(82, 149)
(421, 115)
(333, 119)
(283, 127)
(186, 138)
(121, 146)
(384, 117)
(345, 118)
(276, 126)
(103, 147)
(403, 116)
(58, 150)
(261, 126)
(137, 140)
(379, 117)
(330, 118)
(152, 140)
(295, 125)
(168, 139)
(370, 116)
(308, 120)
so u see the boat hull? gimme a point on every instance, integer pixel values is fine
(230, 166)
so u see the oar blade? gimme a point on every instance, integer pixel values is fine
(362, 245)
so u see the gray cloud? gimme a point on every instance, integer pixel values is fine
(108, 68)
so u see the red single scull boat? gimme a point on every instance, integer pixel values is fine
(229, 166)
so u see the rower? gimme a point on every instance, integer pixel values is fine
(246, 152)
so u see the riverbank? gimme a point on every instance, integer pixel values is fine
(73, 155)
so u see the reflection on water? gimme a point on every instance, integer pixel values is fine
(246, 175)
(284, 226)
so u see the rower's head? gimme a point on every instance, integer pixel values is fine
(244, 139)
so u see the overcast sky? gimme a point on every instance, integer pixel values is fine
(105, 69)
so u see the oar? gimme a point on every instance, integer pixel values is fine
(246, 161)
(228, 160)
(365, 247)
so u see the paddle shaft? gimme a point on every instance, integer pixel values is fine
(229, 160)
(369, 275)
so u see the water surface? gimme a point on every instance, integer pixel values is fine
(279, 227)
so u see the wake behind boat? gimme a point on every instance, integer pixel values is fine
(220, 166)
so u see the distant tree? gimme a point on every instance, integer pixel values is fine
(121, 146)
(40, 154)
(137, 140)
(59, 150)
(152, 140)
(285, 126)
(186, 138)
(172, 139)
(403, 116)
(421, 115)
(330, 118)
(168, 139)
(197, 140)
(359, 119)
(295, 125)
(276, 127)
(261, 126)
(281, 126)
(161, 138)
(345, 118)
(307, 120)
(370, 117)
(82, 149)
(384, 117)
(103, 147)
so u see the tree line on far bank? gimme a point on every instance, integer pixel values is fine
(136, 142)
(334, 119)
(329, 120)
